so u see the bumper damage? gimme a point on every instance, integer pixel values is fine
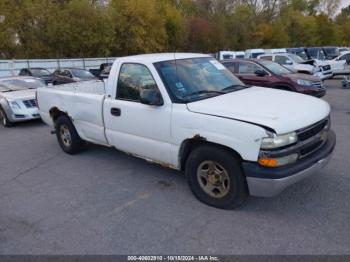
(268, 182)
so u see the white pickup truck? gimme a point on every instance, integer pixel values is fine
(188, 112)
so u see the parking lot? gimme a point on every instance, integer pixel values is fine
(106, 202)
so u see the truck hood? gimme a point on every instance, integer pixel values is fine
(306, 67)
(282, 111)
(308, 62)
(20, 95)
(321, 62)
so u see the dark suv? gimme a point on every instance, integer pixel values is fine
(258, 72)
(71, 75)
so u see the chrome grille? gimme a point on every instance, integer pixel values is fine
(313, 130)
(326, 68)
(310, 140)
(319, 85)
(314, 137)
(30, 103)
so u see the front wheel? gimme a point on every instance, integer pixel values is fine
(216, 178)
(67, 136)
(4, 120)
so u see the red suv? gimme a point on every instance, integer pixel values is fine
(258, 72)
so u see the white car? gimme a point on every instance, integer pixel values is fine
(188, 112)
(338, 67)
(225, 55)
(343, 59)
(253, 53)
(295, 63)
(275, 51)
(17, 99)
(343, 50)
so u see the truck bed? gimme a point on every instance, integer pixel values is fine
(91, 87)
(83, 101)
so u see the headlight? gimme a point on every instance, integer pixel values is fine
(14, 105)
(279, 141)
(316, 69)
(304, 82)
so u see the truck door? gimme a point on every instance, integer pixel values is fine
(133, 127)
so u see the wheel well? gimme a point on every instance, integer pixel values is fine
(189, 145)
(56, 113)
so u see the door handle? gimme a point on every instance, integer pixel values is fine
(115, 111)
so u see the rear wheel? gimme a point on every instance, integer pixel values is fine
(67, 136)
(216, 178)
(3, 118)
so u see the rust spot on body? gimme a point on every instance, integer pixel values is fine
(199, 137)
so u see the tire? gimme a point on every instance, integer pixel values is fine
(232, 190)
(3, 118)
(67, 136)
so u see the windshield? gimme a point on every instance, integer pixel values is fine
(331, 51)
(193, 79)
(296, 58)
(39, 72)
(255, 55)
(22, 84)
(316, 53)
(301, 54)
(81, 73)
(275, 68)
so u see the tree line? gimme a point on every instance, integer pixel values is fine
(93, 28)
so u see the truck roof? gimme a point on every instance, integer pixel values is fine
(158, 57)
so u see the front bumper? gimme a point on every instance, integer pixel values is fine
(315, 93)
(324, 75)
(341, 72)
(23, 115)
(268, 182)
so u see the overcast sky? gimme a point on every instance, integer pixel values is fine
(345, 3)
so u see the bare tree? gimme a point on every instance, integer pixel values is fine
(329, 7)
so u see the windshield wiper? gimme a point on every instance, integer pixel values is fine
(233, 88)
(205, 92)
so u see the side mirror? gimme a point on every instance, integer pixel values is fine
(289, 62)
(260, 72)
(151, 97)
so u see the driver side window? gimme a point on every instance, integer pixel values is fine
(132, 79)
(248, 68)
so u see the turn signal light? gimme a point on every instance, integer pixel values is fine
(280, 161)
(269, 162)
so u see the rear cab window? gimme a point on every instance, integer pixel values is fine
(266, 57)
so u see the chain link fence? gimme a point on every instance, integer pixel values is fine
(12, 67)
